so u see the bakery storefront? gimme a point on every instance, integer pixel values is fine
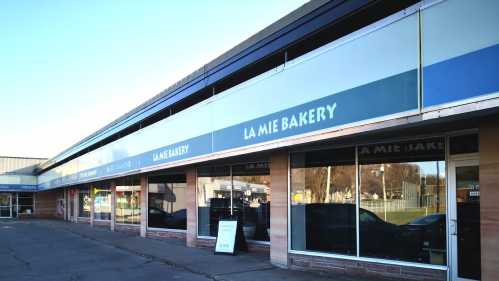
(405, 202)
(360, 155)
(241, 190)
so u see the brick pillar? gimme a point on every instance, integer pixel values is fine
(143, 205)
(113, 206)
(45, 204)
(489, 196)
(279, 208)
(65, 209)
(76, 204)
(68, 203)
(92, 209)
(190, 196)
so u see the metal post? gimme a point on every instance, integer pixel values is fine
(231, 192)
(17, 204)
(92, 207)
(357, 200)
(382, 170)
(328, 183)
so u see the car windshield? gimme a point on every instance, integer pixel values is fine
(426, 220)
(367, 217)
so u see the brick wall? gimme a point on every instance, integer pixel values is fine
(127, 228)
(166, 234)
(279, 208)
(83, 220)
(252, 247)
(334, 266)
(191, 235)
(143, 205)
(46, 204)
(489, 198)
(100, 223)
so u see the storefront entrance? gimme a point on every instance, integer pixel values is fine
(464, 218)
(5, 205)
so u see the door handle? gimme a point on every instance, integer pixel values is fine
(453, 227)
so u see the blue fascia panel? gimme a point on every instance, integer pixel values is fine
(388, 96)
(466, 76)
(18, 187)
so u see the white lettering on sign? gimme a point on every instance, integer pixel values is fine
(293, 121)
(86, 174)
(428, 146)
(119, 166)
(171, 152)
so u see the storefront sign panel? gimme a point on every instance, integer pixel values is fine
(388, 96)
(319, 91)
(460, 51)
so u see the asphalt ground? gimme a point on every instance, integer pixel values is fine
(57, 250)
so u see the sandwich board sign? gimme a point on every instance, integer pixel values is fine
(230, 238)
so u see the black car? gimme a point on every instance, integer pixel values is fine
(331, 228)
(162, 219)
(425, 237)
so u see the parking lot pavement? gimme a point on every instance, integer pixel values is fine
(56, 250)
(30, 250)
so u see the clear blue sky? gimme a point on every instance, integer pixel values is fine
(67, 68)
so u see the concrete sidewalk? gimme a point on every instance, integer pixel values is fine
(199, 262)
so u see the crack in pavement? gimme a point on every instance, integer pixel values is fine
(24, 262)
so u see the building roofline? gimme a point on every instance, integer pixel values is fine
(24, 157)
(173, 94)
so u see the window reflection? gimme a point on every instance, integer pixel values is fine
(402, 213)
(323, 214)
(167, 202)
(102, 203)
(25, 202)
(5, 204)
(213, 197)
(128, 201)
(245, 195)
(251, 195)
(84, 203)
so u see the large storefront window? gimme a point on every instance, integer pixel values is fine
(251, 199)
(402, 201)
(5, 205)
(102, 203)
(25, 203)
(213, 197)
(128, 201)
(402, 195)
(167, 202)
(242, 191)
(84, 203)
(323, 215)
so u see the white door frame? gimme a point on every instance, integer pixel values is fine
(463, 160)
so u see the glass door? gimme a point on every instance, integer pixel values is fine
(5, 205)
(464, 215)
